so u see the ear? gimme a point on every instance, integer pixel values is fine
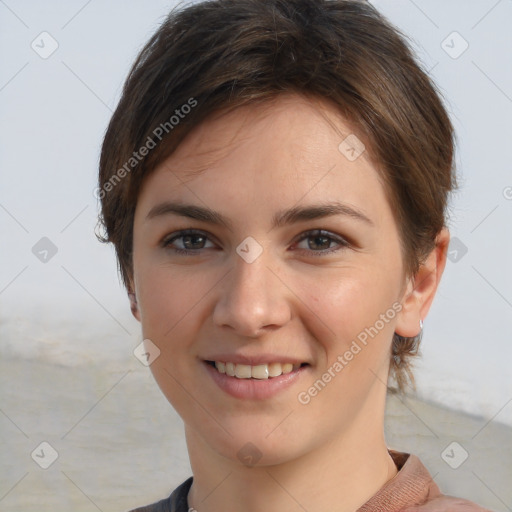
(133, 301)
(421, 288)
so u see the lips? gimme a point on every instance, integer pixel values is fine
(253, 388)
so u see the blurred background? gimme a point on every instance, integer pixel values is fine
(69, 375)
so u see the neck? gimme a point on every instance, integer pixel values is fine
(339, 475)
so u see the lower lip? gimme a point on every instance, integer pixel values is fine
(254, 389)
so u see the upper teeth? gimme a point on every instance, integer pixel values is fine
(260, 371)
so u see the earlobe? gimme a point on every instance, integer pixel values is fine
(421, 289)
(134, 305)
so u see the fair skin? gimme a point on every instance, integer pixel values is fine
(295, 299)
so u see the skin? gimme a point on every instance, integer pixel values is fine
(327, 455)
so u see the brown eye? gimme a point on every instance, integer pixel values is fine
(191, 242)
(319, 242)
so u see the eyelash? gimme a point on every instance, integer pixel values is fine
(307, 234)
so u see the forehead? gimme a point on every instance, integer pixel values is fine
(278, 153)
(288, 120)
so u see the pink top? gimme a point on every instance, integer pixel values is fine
(412, 489)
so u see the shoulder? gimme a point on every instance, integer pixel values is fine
(433, 500)
(445, 503)
(160, 506)
(413, 490)
(176, 502)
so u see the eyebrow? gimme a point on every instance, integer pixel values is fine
(281, 218)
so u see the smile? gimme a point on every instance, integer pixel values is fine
(255, 382)
(260, 371)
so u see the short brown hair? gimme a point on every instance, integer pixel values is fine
(218, 55)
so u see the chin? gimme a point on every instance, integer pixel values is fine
(254, 447)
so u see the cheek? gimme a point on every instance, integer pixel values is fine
(170, 303)
(354, 337)
(167, 297)
(350, 305)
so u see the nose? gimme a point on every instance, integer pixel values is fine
(252, 299)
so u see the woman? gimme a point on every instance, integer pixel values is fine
(275, 181)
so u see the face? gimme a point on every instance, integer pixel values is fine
(262, 239)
